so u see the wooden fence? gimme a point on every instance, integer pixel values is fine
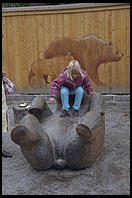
(28, 31)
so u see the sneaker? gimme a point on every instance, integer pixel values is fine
(75, 112)
(64, 113)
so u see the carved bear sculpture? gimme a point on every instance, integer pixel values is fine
(90, 51)
(42, 70)
(47, 140)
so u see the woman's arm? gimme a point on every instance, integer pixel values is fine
(88, 85)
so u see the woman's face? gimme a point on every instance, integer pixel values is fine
(75, 75)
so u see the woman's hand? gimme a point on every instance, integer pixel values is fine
(51, 100)
(92, 93)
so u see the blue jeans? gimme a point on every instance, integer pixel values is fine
(64, 92)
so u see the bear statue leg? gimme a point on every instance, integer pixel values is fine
(97, 103)
(34, 142)
(84, 148)
(39, 108)
(77, 152)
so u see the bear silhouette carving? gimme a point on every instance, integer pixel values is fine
(90, 51)
(43, 70)
(39, 70)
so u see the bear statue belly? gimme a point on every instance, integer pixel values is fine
(47, 140)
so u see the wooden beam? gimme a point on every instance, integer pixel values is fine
(61, 9)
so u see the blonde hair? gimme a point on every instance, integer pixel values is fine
(74, 67)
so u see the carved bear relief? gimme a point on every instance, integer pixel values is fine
(91, 51)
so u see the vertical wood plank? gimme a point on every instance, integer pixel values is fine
(4, 47)
(118, 44)
(47, 26)
(110, 39)
(73, 25)
(87, 23)
(48, 37)
(94, 27)
(60, 34)
(123, 47)
(107, 37)
(128, 49)
(101, 31)
(17, 53)
(41, 35)
(67, 25)
(113, 65)
(54, 34)
(79, 25)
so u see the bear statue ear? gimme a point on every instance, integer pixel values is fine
(110, 43)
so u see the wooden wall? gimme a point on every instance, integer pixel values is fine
(28, 31)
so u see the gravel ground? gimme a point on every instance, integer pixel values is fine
(109, 175)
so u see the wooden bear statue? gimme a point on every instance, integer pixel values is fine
(47, 140)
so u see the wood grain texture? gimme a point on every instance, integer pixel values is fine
(27, 33)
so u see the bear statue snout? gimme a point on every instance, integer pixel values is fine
(59, 163)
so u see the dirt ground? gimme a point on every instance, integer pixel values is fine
(109, 175)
